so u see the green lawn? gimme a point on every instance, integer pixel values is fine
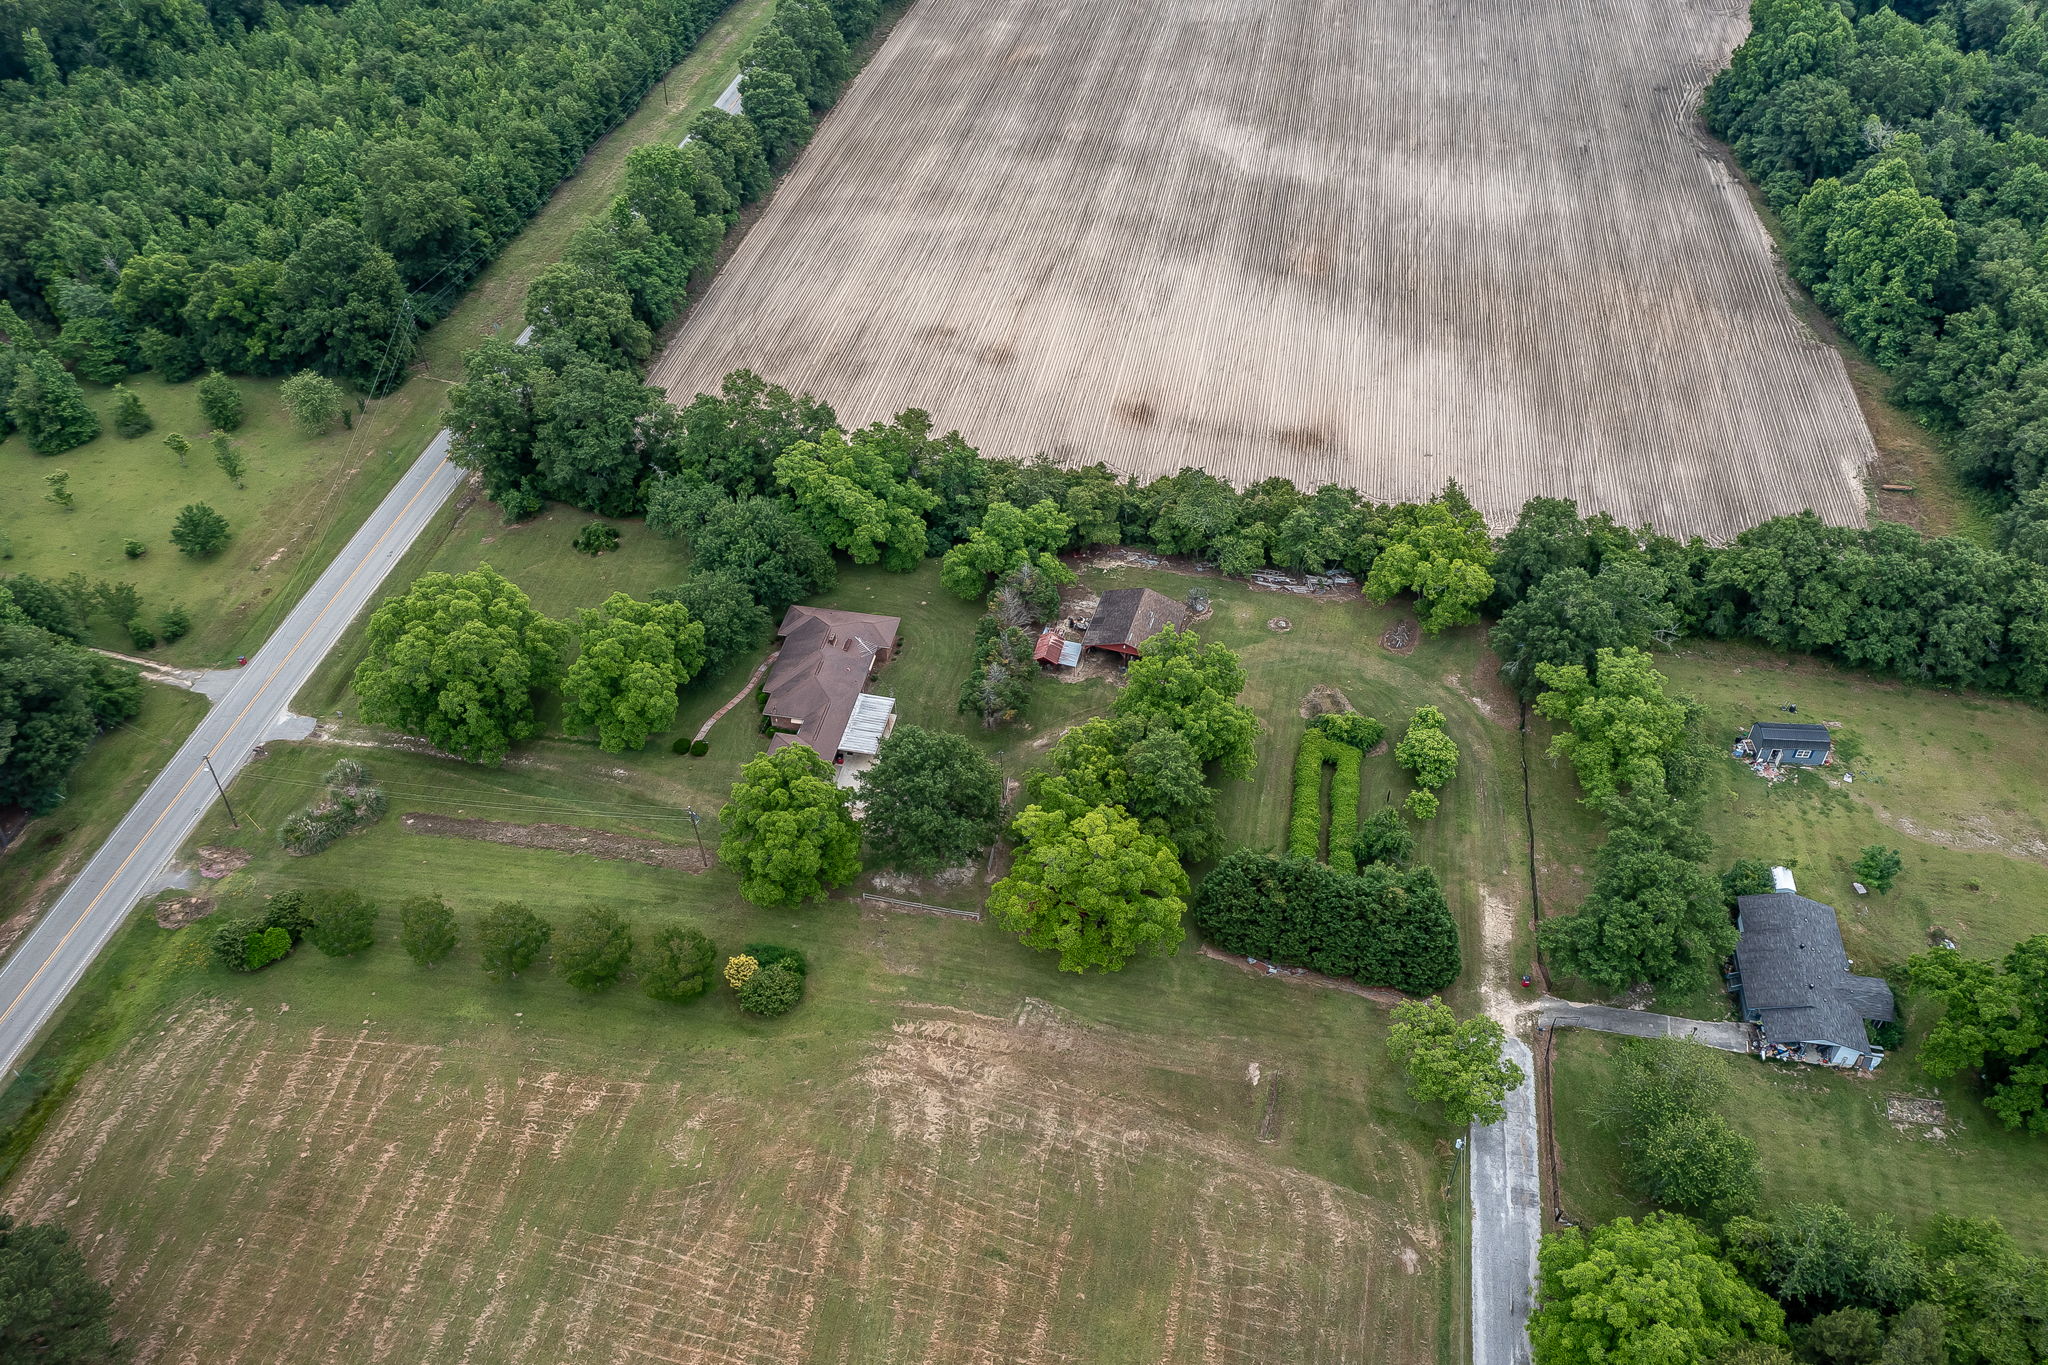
(1958, 783)
(1823, 1136)
(948, 1146)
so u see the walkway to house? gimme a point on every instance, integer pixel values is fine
(704, 730)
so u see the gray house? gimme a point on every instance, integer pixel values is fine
(1793, 980)
(1799, 746)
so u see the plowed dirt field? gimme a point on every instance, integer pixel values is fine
(1369, 242)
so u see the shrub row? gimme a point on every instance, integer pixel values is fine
(1305, 823)
(1385, 926)
(1344, 784)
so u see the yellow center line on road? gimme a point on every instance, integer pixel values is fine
(242, 715)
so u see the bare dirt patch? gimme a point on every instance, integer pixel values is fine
(560, 839)
(216, 862)
(175, 912)
(1325, 700)
(1915, 1117)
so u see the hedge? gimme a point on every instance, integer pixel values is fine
(1384, 926)
(1305, 823)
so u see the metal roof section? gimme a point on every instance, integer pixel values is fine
(868, 726)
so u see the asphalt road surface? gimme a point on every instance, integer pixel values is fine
(1507, 1222)
(49, 961)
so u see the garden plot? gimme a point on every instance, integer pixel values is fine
(1376, 244)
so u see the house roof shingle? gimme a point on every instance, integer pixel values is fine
(1795, 973)
(1785, 732)
(1128, 617)
(826, 660)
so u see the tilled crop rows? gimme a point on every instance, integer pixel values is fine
(1367, 242)
(982, 1190)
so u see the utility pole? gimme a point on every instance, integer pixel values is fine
(207, 759)
(703, 858)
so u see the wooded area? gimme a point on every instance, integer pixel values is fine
(261, 190)
(1906, 151)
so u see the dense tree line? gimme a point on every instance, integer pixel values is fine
(1902, 145)
(268, 188)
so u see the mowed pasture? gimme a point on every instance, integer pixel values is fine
(931, 1161)
(1379, 244)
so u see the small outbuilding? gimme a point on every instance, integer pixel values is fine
(1793, 981)
(1126, 618)
(1788, 745)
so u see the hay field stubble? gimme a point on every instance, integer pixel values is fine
(1347, 241)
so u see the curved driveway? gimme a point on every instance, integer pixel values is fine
(47, 963)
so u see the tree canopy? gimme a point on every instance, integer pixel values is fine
(51, 1308)
(1193, 687)
(1650, 1292)
(457, 660)
(1457, 1063)
(787, 830)
(1095, 888)
(1618, 723)
(930, 800)
(633, 658)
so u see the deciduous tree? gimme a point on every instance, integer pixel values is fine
(1619, 725)
(1193, 687)
(48, 406)
(1096, 889)
(314, 401)
(1654, 1292)
(930, 800)
(457, 660)
(1457, 1063)
(787, 830)
(510, 938)
(199, 530)
(51, 1308)
(594, 947)
(634, 656)
(220, 402)
(677, 964)
(341, 922)
(426, 929)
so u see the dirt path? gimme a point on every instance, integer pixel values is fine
(560, 839)
(1301, 976)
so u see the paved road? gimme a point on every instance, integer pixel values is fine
(1507, 1222)
(1728, 1037)
(49, 961)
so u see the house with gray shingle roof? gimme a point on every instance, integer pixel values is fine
(1793, 980)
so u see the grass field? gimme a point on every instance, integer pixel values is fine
(1150, 234)
(1824, 1137)
(947, 1153)
(305, 497)
(1957, 782)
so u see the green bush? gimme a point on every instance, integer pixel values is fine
(265, 947)
(140, 636)
(426, 929)
(772, 991)
(1427, 751)
(597, 538)
(769, 954)
(1384, 838)
(1385, 926)
(1360, 732)
(220, 401)
(681, 745)
(175, 625)
(678, 965)
(1344, 784)
(342, 922)
(350, 803)
(134, 549)
(700, 748)
(1421, 804)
